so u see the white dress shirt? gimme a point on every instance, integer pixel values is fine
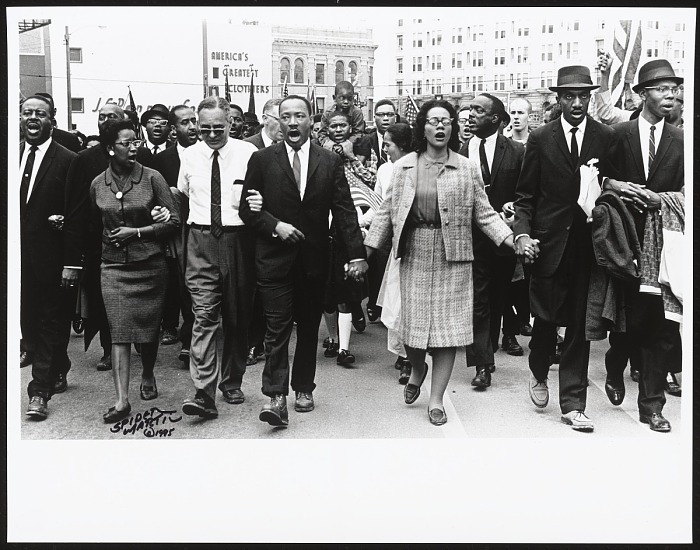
(579, 135)
(39, 157)
(304, 161)
(644, 131)
(489, 148)
(194, 179)
(150, 145)
(267, 141)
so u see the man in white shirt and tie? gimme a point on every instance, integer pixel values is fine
(155, 121)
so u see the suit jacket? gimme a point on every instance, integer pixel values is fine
(461, 201)
(374, 142)
(46, 250)
(327, 190)
(549, 185)
(68, 140)
(256, 140)
(168, 164)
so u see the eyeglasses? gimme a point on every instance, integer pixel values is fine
(463, 120)
(128, 144)
(157, 122)
(217, 131)
(434, 121)
(110, 116)
(271, 115)
(675, 90)
(38, 113)
(385, 115)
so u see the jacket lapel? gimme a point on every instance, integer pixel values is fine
(314, 161)
(588, 138)
(43, 168)
(560, 140)
(283, 161)
(661, 150)
(498, 154)
(636, 148)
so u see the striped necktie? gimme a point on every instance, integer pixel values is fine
(652, 148)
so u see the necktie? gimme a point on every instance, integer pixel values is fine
(652, 147)
(27, 175)
(574, 146)
(383, 155)
(155, 149)
(485, 173)
(216, 197)
(296, 166)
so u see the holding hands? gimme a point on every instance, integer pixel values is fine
(635, 195)
(528, 249)
(356, 270)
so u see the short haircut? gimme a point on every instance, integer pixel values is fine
(111, 130)
(270, 104)
(401, 134)
(290, 97)
(344, 85)
(420, 144)
(40, 98)
(498, 108)
(214, 102)
(236, 107)
(529, 105)
(172, 115)
(384, 102)
(332, 114)
(50, 98)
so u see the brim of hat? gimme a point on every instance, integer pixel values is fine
(574, 87)
(638, 87)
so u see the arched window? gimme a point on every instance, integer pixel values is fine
(339, 71)
(352, 66)
(284, 70)
(298, 71)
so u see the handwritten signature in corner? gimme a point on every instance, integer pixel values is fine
(153, 423)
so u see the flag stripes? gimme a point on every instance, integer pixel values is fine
(627, 50)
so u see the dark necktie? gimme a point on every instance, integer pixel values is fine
(216, 197)
(574, 146)
(485, 172)
(155, 149)
(296, 166)
(382, 155)
(652, 147)
(27, 175)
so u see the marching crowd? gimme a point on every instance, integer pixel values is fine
(457, 230)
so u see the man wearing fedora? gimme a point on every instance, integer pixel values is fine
(548, 217)
(155, 121)
(649, 158)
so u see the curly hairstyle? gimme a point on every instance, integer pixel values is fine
(111, 131)
(402, 135)
(420, 144)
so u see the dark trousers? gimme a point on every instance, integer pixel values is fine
(377, 266)
(46, 311)
(256, 329)
(491, 275)
(518, 297)
(299, 298)
(171, 309)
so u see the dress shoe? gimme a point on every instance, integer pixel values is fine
(38, 408)
(345, 358)
(358, 318)
(615, 391)
(578, 421)
(411, 392)
(234, 396)
(373, 313)
(510, 344)
(78, 325)
(275, 412)
(656, 422)
(201, 405)
(252, 357)
(113, 415)
(304, 402)
(169, 337)
(327, 341)
(482, 378)
(492, 368)
(437, 417)
(399, 362)
(105, 363)
(405, 374)
(634, 375)
(672, 385)
(526, 329)
(61, 384)
(148, 392)
(332, 349)
(25, 359)
(539, 392)
(184, 356)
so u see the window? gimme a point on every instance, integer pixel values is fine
(439, 86)
(77, 105)
(459, 36)
(399, 66)
(550, 29)
(525, 79)
(480, 60)
(352, 67)
(284, 70)
(399, 87)
(526, 31)
(503, 34)
(574, 50)
(339, 71)
(417, 87)
(544, 52)
(454, 85)
(370, 76)
(459, 60)
(298, 71)
(320, 104)
(568, 50)
(469, 56)
(417, 40)
(76, 56)
(320, 72)
(503, 57)
(575, 25)
(399, 42)
(439, 39)
(466, 83)
(542, 79)
(549, 52)
(459, 83)
(215, 72)
(417, 64)
(454, 60)
(427, 86)
(439, 63)
(400, 22)
(480, 83)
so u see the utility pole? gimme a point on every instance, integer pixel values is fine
(205, 58)
(69, 98)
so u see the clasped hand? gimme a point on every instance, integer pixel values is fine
(120, 235)
(528, 249)
(356, 270)
(635, 195)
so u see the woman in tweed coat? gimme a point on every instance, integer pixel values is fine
(427, 218)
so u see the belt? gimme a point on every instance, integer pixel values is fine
(424, 225)
(225, 228)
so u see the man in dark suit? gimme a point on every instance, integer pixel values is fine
(649, 160)
(548, 217)
(51, 253)
(270, 132)
(301, 183)
(155, 122)
(500, 159)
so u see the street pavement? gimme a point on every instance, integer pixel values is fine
(364, 401)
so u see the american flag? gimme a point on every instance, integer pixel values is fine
(411, 111)
(627, 49)
(362, 195)
(285, 90)
(311, 96)
(227, 94)
(132, 107)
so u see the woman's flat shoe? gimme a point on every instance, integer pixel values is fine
(149, 392)
(113, 415)
(437, 417)
(411, 392)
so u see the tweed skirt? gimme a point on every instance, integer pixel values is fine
(134, 296)
(436, 295)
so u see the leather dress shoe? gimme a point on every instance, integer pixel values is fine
(411, 392)
(539, 392)
(399, 363)
(510, 344)
(482, 378)
(304, 402)
(169, 337)
(149, 392)
(332, 349)
(672, 385)
(373, 313)
(184, 356)
(437, 417)
(578, 421)
(113, 415)
(327, 341)
(345, 358)
(526, 329)
(137, 348)
(405, 374)
(105, 363)
(252, 357)
(234, 396)
(275, 412)
(61, 384)
(25, 359)
(656, 422)
(634, 375)
(38, 408)
(615, 391)
(201, 405)
(359, 323)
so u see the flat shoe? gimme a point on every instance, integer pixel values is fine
(411, 392)
(437, 417)
(113, 415)
(149, 392)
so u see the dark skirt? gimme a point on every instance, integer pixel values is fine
(134, 296)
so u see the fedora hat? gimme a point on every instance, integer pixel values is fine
(574, 77)
(658, 69)
(157, 109)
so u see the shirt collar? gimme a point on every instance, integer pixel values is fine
(304, 149)
(161, 147)
(180, 149)
(267, 141)
(223, 151)
(491, 139)
(135, 174)
(567, 127)
(646, 125)
(41, 148)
